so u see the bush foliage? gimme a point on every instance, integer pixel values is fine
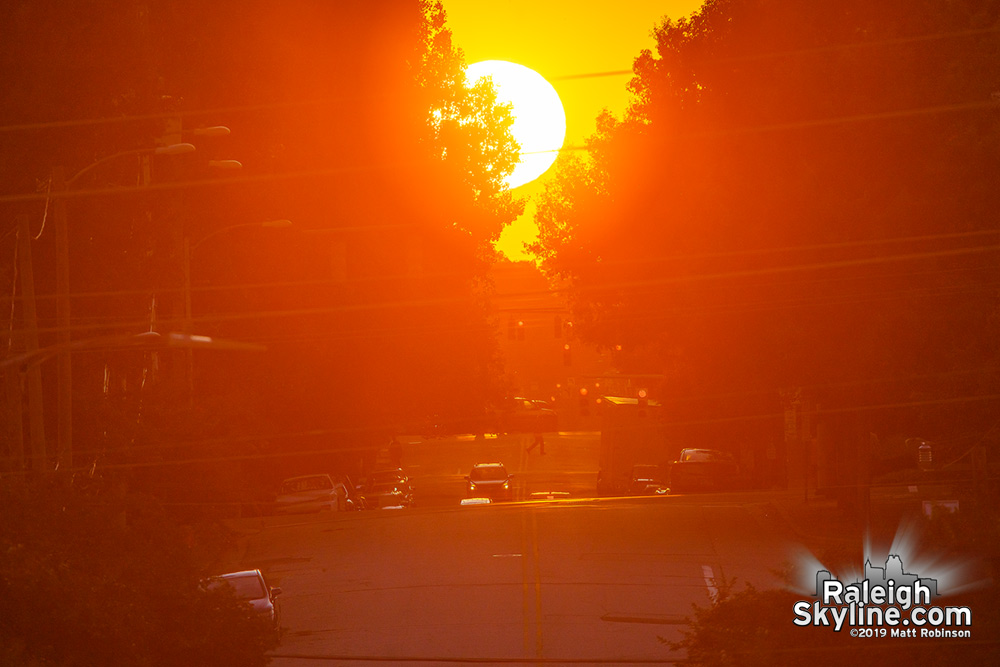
(90, 578)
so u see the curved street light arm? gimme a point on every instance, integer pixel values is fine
(172, 149)
(265, 223)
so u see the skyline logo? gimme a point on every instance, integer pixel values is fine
(887, 601)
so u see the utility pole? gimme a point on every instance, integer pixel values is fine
(13, 429)
(189, 353)
(36, 419)
(64, 383)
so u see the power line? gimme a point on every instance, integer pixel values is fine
(346, 99)
(270, 437)
(340, 171)
(131, 323)
(899, 41)
(444, 274)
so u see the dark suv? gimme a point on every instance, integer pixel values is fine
(489, 480)
(704, 470)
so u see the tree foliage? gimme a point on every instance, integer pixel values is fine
(467, 130)
(353, 121)
(798, 195)
(92, 578)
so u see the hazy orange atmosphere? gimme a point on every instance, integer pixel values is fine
(496, 332)
(584, 49)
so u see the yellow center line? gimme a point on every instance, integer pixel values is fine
(530, 571)
(525, 585)
(538, 585)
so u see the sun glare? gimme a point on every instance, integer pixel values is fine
(539, 120)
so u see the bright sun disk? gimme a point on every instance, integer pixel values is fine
(539, 120)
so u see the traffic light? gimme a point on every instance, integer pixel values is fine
(643, 401)
(584, 402)
(567, 355)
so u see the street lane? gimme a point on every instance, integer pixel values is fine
(594, 581)
(437, 466)
(607, 580)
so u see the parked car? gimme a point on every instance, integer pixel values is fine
(489, 480)
(355, 501)
(251, 587)
(387, 488)
(704, 470)
(311, 493)
(393, 475)
(646, 480)
(526, 415)
(387, 494)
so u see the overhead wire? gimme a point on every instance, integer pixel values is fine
(982, 104)
(134, 322)
(201, 443)
(335, 171)
(345, 99)
(163, 289)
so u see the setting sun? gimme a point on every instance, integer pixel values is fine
(539, 120)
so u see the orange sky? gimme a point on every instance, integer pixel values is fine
(560, 39)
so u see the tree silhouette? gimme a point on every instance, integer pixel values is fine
(796, 196)
(467, 131)
(350, 119)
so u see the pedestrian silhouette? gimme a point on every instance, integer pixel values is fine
(538, 442)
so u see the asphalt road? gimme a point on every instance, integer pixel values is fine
(583, 580)
(438, 466)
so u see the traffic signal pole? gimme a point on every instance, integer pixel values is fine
(36, 421)
(64, 384)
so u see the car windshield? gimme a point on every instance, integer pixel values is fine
(703, 456)
(385, 487)
(387, 476)
(318, 483)
(247, 587)
(488, 474)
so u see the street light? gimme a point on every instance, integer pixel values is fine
(225, 164)
(147, 340)
(265, 223)
(31, 360)
(64, 382)
(212, 131)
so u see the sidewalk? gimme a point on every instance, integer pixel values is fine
(835, 530)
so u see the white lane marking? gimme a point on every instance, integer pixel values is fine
(506, 555)
(709, 574)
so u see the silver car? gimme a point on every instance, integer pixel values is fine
(250, 586)
(310, 493)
